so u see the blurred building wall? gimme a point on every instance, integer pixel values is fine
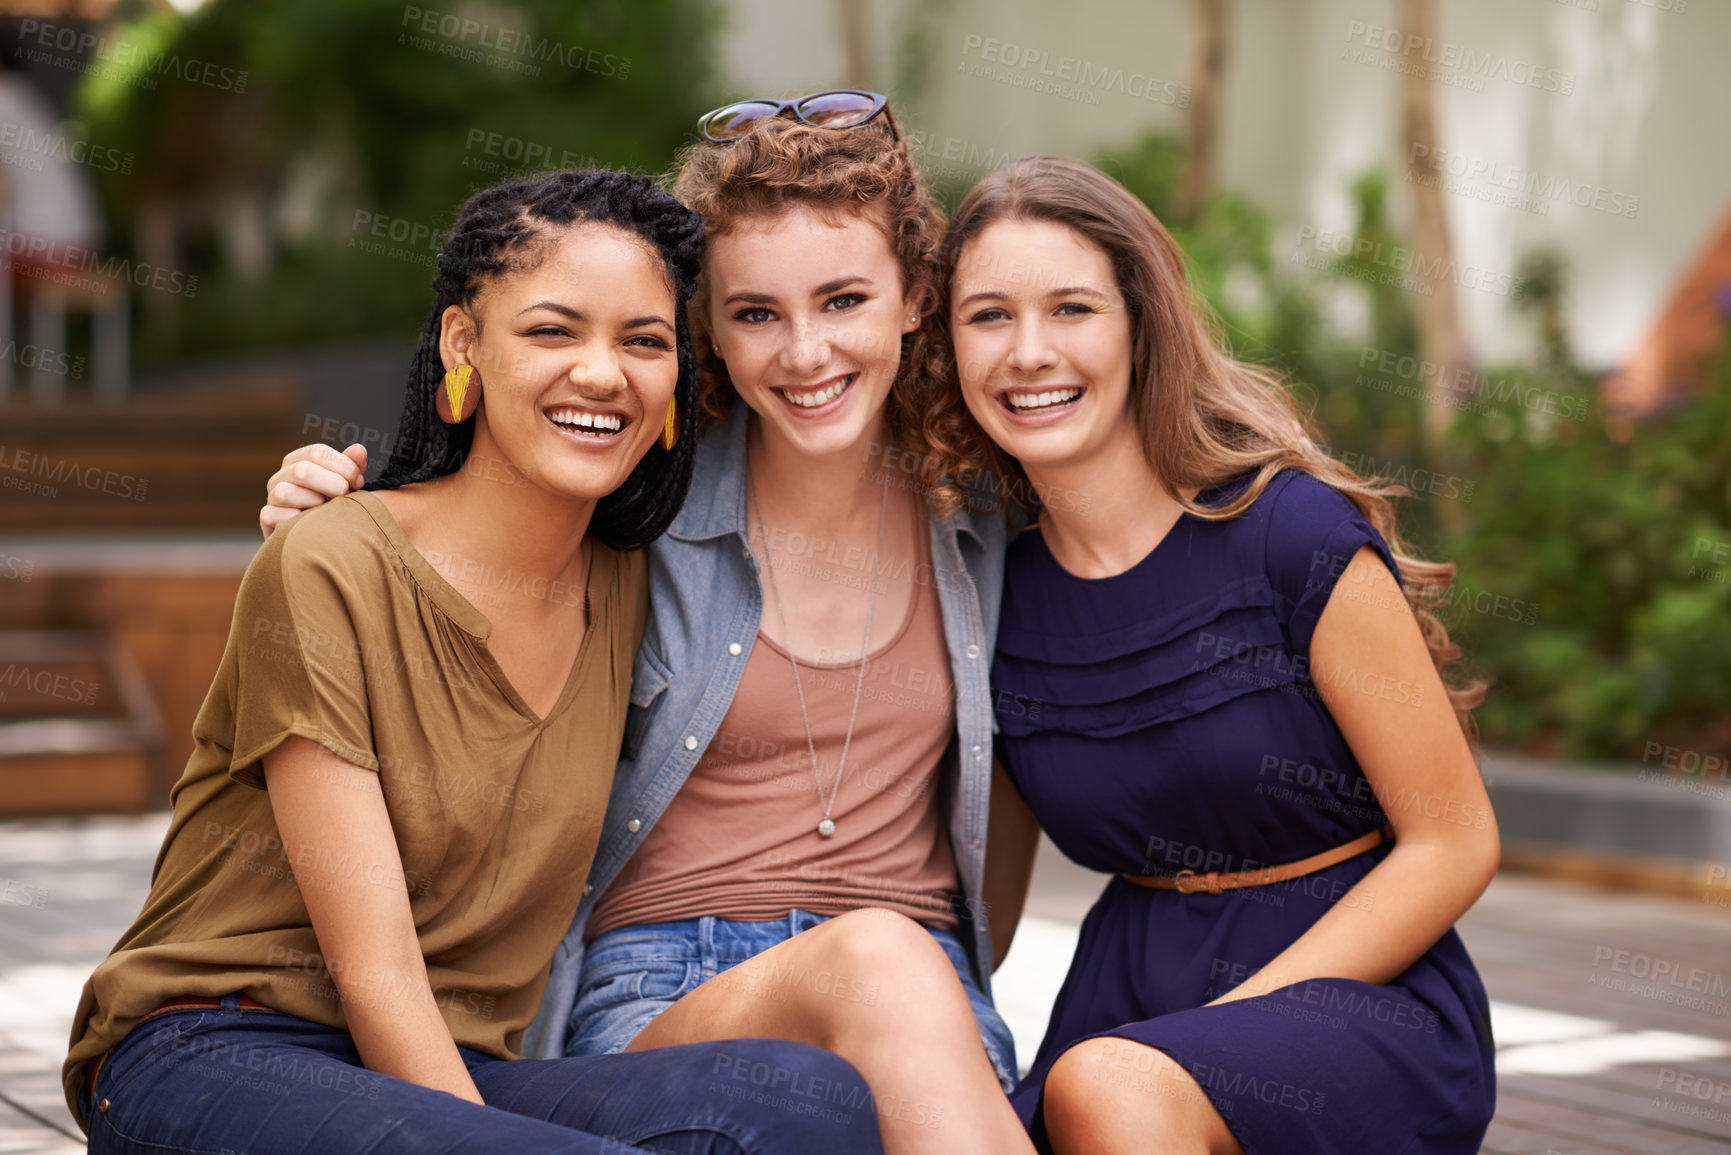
(1620, 113)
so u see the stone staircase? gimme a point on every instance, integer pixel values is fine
(124, 531)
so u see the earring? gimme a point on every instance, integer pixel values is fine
(716, 348)
(914, 320)
(670, 429)
(458, 394)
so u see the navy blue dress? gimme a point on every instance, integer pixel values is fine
(1164, 719)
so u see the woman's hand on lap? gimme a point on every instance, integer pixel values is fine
(337, 835)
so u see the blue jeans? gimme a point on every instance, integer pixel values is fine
(632, 974)
(232, 1080)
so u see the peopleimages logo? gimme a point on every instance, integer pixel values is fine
(17, 466)
(517, 154)
(1449, 62)
(17, 893)
(1406, 260)
(44, 683)
(60, 263)
(514, 49)
(952, 154)
(120, 59)
(24, 147)
(46, 360)
(1534, 189)
(1457, 387)
(1068, 76)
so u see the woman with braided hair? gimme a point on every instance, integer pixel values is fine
(402, 764)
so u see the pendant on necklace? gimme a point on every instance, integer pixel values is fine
(826, 828)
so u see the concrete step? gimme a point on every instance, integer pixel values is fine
(193, 455)
(1662, 827)
(55, 673)
(79, 730)
(74, 766)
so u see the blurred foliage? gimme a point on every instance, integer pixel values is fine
(917, 31)
(1587, 589)
(1319, 318)
(326, 115)
(333, 108)
(1541, 275)
(1624, 550)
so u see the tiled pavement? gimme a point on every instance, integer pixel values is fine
(1612, 1011)
(68, 887)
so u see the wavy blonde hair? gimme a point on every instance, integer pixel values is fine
(866, 172)
(1204, 418)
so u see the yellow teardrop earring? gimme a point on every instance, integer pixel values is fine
(458, 394)
(670, 428)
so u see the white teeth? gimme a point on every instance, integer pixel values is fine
(1022, 402)
(581, 419)
(822, 397)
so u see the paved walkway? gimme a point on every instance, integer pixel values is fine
(1613, 1012)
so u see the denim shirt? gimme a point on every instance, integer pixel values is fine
(705, 604)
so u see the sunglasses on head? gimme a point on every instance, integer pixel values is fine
(842, 108)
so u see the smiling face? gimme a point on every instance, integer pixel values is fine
(1043, 342)
(577, 360)
(809, 313)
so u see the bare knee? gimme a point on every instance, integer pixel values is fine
(883, 946)
(1110, 1095)
(878, 974)
(1074, 1085)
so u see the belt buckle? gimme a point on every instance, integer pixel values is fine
(1189, 882)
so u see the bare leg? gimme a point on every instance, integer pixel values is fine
(874, 987)
(1117, 1097)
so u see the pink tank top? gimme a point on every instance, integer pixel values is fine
(740, 839)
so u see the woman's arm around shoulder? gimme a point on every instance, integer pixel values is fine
(309, 477)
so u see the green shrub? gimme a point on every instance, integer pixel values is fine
(1614, 545)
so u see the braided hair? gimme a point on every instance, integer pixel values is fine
(496, 231)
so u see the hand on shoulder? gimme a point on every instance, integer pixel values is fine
(309, 477)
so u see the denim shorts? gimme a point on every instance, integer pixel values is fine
(632, 974)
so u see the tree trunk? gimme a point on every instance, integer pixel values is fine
(1207, 61)
(1441, 342)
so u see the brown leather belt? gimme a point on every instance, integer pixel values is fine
(1189, 882)
(95, 1064)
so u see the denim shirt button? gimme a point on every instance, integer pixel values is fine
(691, 741)
(588, 889)
(973, 652)
(976, 753)
(735, 649)
(634, 825)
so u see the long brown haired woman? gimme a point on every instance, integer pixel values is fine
(1242, 703)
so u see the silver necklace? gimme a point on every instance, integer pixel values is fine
(826, 827)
